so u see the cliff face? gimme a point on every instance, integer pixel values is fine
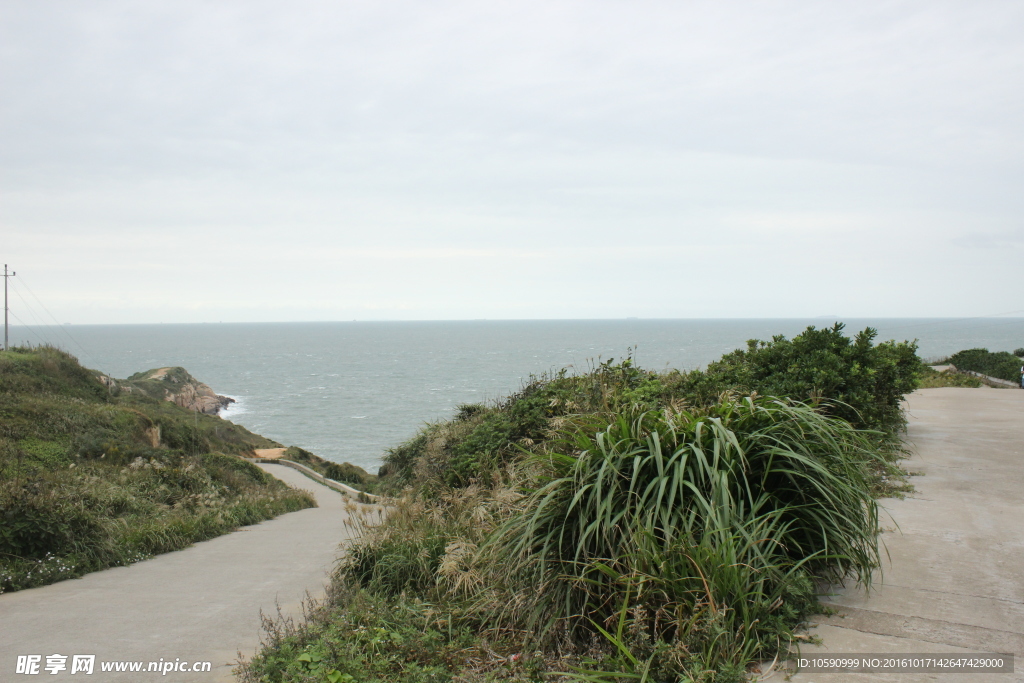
(178, 386)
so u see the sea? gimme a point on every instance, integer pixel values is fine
(349, 391)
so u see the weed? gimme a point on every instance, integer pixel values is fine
(930, 378)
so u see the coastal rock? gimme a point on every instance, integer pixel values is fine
(200, 397)
(175, 384)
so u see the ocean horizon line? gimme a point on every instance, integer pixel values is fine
(834, 318)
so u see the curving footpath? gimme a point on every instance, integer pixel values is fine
(198, 604)
(954, 582)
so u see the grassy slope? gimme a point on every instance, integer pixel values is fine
(471, 562)
(91, 477)
(933, 379)
(345, 472)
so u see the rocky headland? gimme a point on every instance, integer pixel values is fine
(173, 384)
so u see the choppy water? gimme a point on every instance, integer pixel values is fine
(350, 390)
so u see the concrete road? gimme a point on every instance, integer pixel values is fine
(955, 583)
(198, 604)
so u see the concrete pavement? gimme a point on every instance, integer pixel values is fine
(955, 581)
(198, 604)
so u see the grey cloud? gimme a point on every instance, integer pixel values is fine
(715, 135)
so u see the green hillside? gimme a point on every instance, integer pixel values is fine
(93, 475)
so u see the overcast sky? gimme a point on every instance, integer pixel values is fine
(261, 161)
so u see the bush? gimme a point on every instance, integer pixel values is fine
(234, 471)
(1001, 365)
(347, 473)
(70, 522)
(183, 436)
(860, 382)
(407, 553)
(368, 637)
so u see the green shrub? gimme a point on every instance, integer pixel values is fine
(1001, 365)
(347, 473)
(405, 554)
(482, 440)
(862, 382)
(48, 454)
(233, 471)
(183, 436)
(48, 370)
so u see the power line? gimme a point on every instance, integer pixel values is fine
(35, 317)
(29, 328)
(56, 322)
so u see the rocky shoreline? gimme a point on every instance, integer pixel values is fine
(200, 397)
(173, 384)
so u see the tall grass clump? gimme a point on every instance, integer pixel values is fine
(427, 546)
(696, 522)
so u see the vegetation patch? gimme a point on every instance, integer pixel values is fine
(92, 477)
(930, 378)
(1000, 364)
(620, 523)
(345, 472)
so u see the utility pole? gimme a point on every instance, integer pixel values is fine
(6, 309)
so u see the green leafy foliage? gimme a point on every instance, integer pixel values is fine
(861, 382)
(1001, 364)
